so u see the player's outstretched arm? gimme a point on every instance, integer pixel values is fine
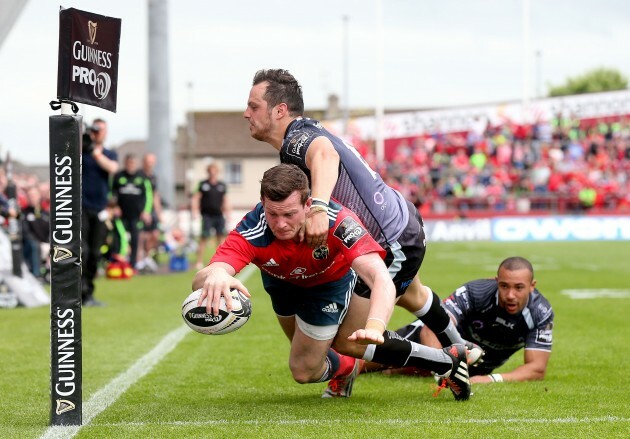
(323, 162)
(534, 369)
(372, 270)
(216, 280)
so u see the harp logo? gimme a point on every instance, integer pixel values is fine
(92, 26)
(63, 405)
(60, 253)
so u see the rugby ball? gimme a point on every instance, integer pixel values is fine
(205, 323)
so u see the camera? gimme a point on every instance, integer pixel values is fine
(88, 146)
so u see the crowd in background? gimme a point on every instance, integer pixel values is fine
(32, 207)
(563, 165)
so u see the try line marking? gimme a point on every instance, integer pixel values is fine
(402, 422)
(107, 395)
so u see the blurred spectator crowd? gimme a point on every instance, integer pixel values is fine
(32, 207)
(564, 166)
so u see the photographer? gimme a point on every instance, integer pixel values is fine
(99, 163)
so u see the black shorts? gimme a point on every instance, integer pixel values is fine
(404, 257)
(212, 222)
(154, 223)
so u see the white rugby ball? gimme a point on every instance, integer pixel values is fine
(205, 323)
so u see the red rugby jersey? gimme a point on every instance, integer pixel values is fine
(295, 262)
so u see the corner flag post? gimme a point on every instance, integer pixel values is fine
(87, 73)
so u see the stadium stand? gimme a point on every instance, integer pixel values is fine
(563, 166)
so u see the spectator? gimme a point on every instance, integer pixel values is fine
(210, 202)
(35, 230)
(99, 163)
(134, 193)
(150, 235)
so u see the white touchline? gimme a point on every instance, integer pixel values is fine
(403, 422)
(107, 395)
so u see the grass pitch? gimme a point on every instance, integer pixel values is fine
(239, 385)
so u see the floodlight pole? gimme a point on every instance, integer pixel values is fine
(346, 80)
(526, 60)
(160, 141)
(379, 111)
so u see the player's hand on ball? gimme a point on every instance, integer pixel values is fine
(218, 283)
(367, 336)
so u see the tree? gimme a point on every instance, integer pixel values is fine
(596, 80)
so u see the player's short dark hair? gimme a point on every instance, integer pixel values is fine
(282, 88)
(516, 263)
(279, 182)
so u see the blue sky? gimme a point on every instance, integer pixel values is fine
(436, 53)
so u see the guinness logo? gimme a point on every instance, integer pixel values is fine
(60, 253)
(92, 30)
(63, 405)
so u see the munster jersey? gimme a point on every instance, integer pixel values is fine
(475, 307)
(296, 262)
(382, 209)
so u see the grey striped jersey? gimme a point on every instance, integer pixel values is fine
(382, 209)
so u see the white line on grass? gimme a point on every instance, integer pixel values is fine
(604, 293)
(403, 422)
(107, 395)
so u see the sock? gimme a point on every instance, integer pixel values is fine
(332, 362)
(437, 320)
(346, 364)
(398, 352)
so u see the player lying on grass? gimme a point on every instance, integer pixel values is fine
(502, 315)
(311, 289)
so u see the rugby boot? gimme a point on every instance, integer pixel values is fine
(341, 386)
(457, 378)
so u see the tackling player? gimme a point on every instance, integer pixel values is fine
(311, 290)
(335, 169)
(502, 315)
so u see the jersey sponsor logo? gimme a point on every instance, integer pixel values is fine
(452, 305)
(298, 271)
(349, 231)
(463, 294)
(321, 253)
(505, 323)
(130, 189)
(277, 276)
(379, 198)
(295, 145)
(543, 336)
(331, 308)
(271, 263)
(405, 284)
